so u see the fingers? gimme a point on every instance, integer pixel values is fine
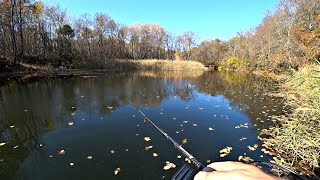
(229, 166)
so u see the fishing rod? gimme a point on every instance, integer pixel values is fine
(186, 173)
(194, 161)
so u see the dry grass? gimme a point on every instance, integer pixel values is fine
(153, 64)
(297, 142)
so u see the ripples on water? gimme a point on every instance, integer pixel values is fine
(96, 117)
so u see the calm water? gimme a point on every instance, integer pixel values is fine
(35, 121)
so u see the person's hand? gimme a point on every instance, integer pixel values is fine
(234, 170)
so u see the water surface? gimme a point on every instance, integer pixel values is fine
(96, 117)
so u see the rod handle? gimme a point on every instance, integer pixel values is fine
(208, 169)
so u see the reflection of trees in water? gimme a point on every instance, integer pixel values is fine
(245, 92)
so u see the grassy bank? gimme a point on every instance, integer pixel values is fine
(296, 142)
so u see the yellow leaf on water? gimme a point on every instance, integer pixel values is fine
(184, 141)
(226, 150)
(89, 157)
(117, 171)
(2, 144)
(155, 155)
(223, 155)
(147, 139)
(256, 146)
(112, 151)
(240, 158)
(166, 167)
(169, 165)
(70, 123)
(148, 147)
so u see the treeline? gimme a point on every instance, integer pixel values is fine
(47, 35)
(286, 38)
(34, 32)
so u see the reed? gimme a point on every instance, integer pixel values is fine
(296, 142)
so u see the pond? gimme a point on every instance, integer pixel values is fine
(87, 127)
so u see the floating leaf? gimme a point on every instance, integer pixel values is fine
(71, 164)
(187, 160)
(225, 151)
(112, 151)
(184, 141)
(169, 165)
(155, 155)
(89, 157)
(243, 138)
(147, 139)
(110, 107)
(148, 147)
(240, 158)
(12, 126)
(179, 157)
(211, 129)
(61, 152)
(247, 159)
(117, 171)
(223, 155)
(2, 144)
(195, 125)
(70, 123)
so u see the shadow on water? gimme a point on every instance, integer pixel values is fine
(34, 121)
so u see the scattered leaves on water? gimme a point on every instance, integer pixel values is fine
(155, 155)
(117, 171)
(89, 157)
(147, 139)
(184, 141)
(148, 147)
(61, 152)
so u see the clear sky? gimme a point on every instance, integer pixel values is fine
(209, 19)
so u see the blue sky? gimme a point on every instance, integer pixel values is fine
(209, 19)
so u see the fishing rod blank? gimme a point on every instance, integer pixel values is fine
(194, 161)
